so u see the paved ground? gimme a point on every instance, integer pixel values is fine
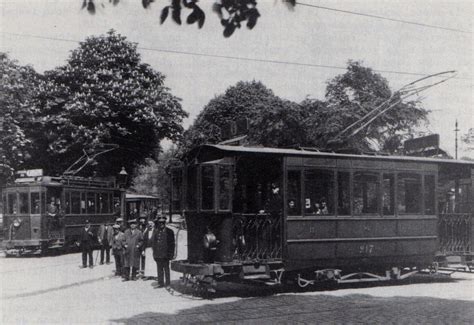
(51, 290)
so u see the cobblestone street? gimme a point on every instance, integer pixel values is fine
(55, 290)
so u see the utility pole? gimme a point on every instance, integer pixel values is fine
(456, 130)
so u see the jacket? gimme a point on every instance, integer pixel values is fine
(163, 243)
(105, 234)
(87, 238)
(118, 243)
(133, 246)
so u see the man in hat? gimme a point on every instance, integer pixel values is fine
(133, 246)
(118, 247)
(142, 226)
(104, 235)
(119, 221)
(87, 241)
(163, 244)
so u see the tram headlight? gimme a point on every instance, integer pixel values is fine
(210, 241)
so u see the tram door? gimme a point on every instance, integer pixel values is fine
(55, 213)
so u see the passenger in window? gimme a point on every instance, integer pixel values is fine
(317, 209)
(36, 206)
(292, 209)
(52, 209)
(324, 207)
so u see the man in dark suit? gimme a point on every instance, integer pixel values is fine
(104, 235)
(87, 242)
(163, 245)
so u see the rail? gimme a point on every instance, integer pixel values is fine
(257, 236)
(455, 231)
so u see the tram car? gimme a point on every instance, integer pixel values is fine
(44, 213)
(305, 216)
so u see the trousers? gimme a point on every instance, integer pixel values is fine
(87, 251)
(118, 263)
(163, 268)
(105, 247)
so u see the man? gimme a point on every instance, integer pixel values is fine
(163, 244)
(104, 235)
(133, 245)
(87, 241)
(118, 247)
(119, 221)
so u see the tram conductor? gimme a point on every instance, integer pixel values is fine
(163, 244)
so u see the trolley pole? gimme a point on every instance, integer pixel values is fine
(456, 130)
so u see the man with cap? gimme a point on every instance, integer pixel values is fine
(133, 246)
(118, 247)
(119, 221)
(87, 241)
(163, 244)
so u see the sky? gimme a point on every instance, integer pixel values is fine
(41, 33)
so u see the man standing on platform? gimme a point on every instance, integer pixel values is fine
(104, 236)
(87, 241)
(133, 247)
(163, 244)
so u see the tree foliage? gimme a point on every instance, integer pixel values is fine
(231, 13)
(276, 122)
(355, 93)
(104, 94)
(244, 100)
(17, 89)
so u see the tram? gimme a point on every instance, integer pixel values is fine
(43, 213)
(305, 216)
(141, 205)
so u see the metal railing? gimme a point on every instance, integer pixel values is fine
(257, 236)
(455, 232)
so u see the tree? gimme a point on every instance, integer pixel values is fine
(104, 94)
(231, 13)
(349, 97)
(244, 100)
(17, 90)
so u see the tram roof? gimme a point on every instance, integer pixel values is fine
(312, 153)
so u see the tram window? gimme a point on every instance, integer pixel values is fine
(67, 208)
(12, 203)
(319, 192)
(83, 203)
(294, 193)
(35, 203)
(343, 191)
(43, 202)
(191, 188)
(75, 202)
(207, 188)
(224, 187)
(24, 203)
(388, 195)
(102, 203)
(409, 192)
(430, 190)
(4, 200)
(176, 188)
(366, 189)
(91, 202)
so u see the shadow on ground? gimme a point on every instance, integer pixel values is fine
(321, 309)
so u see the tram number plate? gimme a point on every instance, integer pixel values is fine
(366, 249)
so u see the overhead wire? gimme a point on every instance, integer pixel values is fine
(230, 57)
(403, 21)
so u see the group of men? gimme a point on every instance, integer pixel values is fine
(129, 245)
